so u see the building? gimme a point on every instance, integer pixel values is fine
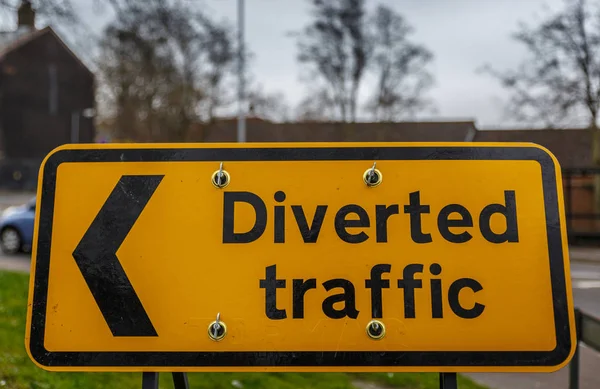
(259, 130)
(46, 98)
(571, 146)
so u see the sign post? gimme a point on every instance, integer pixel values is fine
(393, 257)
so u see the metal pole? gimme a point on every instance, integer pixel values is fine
(241, 130)
(574, 365)
(180, 381)
(149, 380)
(448, 381)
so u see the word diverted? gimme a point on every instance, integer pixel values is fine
(354, 216)
(408, 283)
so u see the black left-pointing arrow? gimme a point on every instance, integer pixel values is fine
(96, 256)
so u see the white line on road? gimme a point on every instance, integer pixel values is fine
(585, 274)
(586, 284)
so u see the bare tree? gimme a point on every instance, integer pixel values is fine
(343, 44)
(561, 78)
(220, 58)
(400, 68)
(162, 67)
(337, 49)
(161, 62)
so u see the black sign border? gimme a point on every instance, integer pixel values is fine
(301, 359)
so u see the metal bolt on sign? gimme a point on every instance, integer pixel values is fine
(220, 178)
(217, 329)
(372, 176)
(375, 329)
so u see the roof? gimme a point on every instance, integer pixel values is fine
(264, 131)
(12, 40)
(572, 147)
(8, 37)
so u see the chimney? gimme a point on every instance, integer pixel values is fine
(26, 15)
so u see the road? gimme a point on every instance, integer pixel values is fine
(19, 263)
(8, 199)
(586, 290)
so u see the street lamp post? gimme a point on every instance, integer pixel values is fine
(75, 126)
(241, 129)
(75, 115)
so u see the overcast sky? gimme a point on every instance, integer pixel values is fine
(462, 34)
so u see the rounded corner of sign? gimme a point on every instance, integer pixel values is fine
(570, 354)
(563, 355)
(546, 154)
(37, 356)
(555, 368)
(59, 148)
(53, 154)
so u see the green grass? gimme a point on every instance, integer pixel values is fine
(18, 372)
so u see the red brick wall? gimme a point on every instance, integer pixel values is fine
(581, 195)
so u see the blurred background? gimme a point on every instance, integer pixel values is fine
(81, 71)
(100, 71)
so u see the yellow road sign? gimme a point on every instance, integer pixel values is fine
(300, 257)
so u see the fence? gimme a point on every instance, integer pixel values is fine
(583, 223)
(588, 332)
